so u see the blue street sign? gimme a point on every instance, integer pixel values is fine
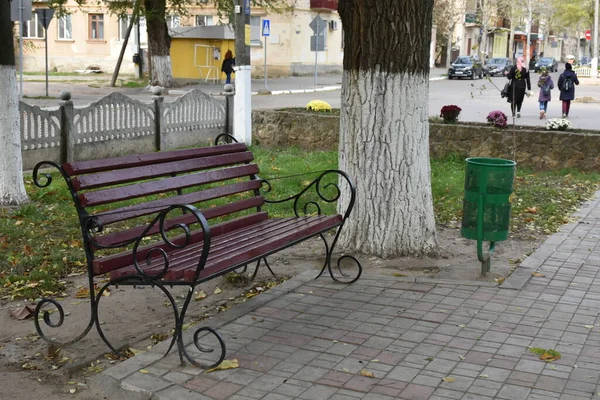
(247, 7)
(266, 27)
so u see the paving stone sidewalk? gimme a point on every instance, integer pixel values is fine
(420, 339)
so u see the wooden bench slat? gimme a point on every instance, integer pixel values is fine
(152, 207)
(227, 252)
(188, 219)
(136, 160)
(120, 176)
(119, 261)
(181, 259)
(266, 247)
(122, 193)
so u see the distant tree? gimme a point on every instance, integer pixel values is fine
(446, 15)
(12, 188)
(384, 126)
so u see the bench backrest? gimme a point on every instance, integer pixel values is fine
(125, 194)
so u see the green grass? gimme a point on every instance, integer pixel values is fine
(133, 84)
(40, 243)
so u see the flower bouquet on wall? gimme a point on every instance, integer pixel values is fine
(450, 114)
(558, 124)
(497, 118)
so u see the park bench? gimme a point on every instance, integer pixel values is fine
(145, 221)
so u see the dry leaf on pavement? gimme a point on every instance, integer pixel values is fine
(226, 364)
(22, 313)
(366, 373)
(538, 274)
(448, 379)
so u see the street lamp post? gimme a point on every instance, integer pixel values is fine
(595, 42)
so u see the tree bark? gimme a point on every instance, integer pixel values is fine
(159, 43)
(384, 130)
(12, 187)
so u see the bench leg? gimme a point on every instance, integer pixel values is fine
(268, 267)
(200, 333)
(61, 317)
(340, 275)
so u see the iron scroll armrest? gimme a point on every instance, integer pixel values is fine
(178, 243)
(327, 192)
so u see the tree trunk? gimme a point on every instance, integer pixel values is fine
(159, 43)
(384, 129)
(12, 187)
(449, 49)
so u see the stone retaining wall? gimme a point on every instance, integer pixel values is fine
(536, 148)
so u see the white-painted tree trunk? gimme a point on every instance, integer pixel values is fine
(162, 75)
(12, 188)
(384, 147)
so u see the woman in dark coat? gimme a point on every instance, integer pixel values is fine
(227, 66)
(519, 84)
(567, 90)
(546, 85)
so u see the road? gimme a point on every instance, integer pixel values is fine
(476, 97)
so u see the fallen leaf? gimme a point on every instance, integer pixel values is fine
(225, 364)
(538, 274)
(589, 326)
(217, 291)
(548, 357)
(72, 390)
(366, 373)
(448, 379)
(462, 326)
(106, 293)
(484, 376)
(135, 351)
(22, 313)
(375, 360)
(144, 371)
(200, 295)
(461, 357)
(82, 293)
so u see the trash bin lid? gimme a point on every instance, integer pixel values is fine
(491, 162)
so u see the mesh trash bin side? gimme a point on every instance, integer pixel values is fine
(493, 179)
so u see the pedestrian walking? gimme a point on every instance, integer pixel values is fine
(546, 85)
(227, 66)
(566, 84)
(520, 84)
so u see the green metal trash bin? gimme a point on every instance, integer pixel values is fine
(486, 203)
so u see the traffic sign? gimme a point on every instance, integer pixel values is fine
(45, 16)
(266, 27)
(318, 25)
(588, 35)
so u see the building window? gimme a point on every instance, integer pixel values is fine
(204, 20)
(173, 21)
(255, 27)
(65, 29)
(123, 25)
(33, 29)
(96, 26)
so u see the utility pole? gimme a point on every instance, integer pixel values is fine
(595, 42)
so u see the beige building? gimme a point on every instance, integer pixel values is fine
(89, 37)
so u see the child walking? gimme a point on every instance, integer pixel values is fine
(546, 85)
(566, 84)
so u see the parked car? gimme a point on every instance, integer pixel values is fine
(549, 63)
(465, 67)
(497, 67)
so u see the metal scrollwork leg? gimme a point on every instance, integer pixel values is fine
(181, 345)
(117, 282)
(342, 276)
(268, 267)
(48, 321)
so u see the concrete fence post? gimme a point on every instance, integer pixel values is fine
(67, 115)
(159, 106)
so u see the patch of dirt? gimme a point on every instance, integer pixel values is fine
(131, 316)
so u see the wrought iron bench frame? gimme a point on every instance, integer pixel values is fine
(156, 270)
